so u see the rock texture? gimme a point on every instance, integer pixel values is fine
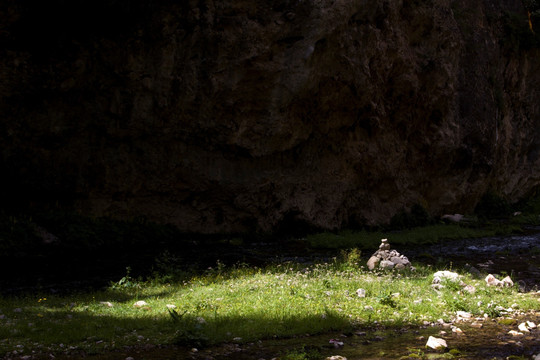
(235, 116)
(385, 258)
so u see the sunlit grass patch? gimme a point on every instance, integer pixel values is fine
(243, 304)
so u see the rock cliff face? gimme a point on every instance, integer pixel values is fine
(236, 116)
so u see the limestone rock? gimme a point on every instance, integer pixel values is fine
(436, 343)
(244, 116)
(387, 259)
(493, 281)
(386, 264)
(140, 303)
(439, 276)
(373, 262)
(523, 328)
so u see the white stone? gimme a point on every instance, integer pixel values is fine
(454, 218)
(140, 303)
(515, 333)
(384, 245)
(436, 343)
(106, 303)
(507, 282)
(536, 357)
(439, 276)
(531, 325)
(336, 357)
(386, 264)
(457, 330)
(361, 293)
(170, 306)
(492, 281)
(336, 343)
(523, 328)
(463, 315)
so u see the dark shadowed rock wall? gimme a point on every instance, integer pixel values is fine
(235, 116)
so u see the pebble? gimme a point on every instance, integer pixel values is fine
(523, 328)
(106, 303)
(140, 303)
(515, 333)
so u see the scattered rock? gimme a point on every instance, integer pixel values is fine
(477, 325)
(170, 306)
(386, 258)
(140, 303)
(515, 333)
(336, 357)
(463, 315)
(106, 303)
(493, 281)
(507, 281)
(361, 293)
(457, 330)
(452, 218)
(523, 328)
(439, 276)
(336, 343)
(436, 343)
(531, 325)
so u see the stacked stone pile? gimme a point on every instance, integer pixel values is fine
(385, 258)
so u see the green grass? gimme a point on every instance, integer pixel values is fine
(430, 234)
(240, 304)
